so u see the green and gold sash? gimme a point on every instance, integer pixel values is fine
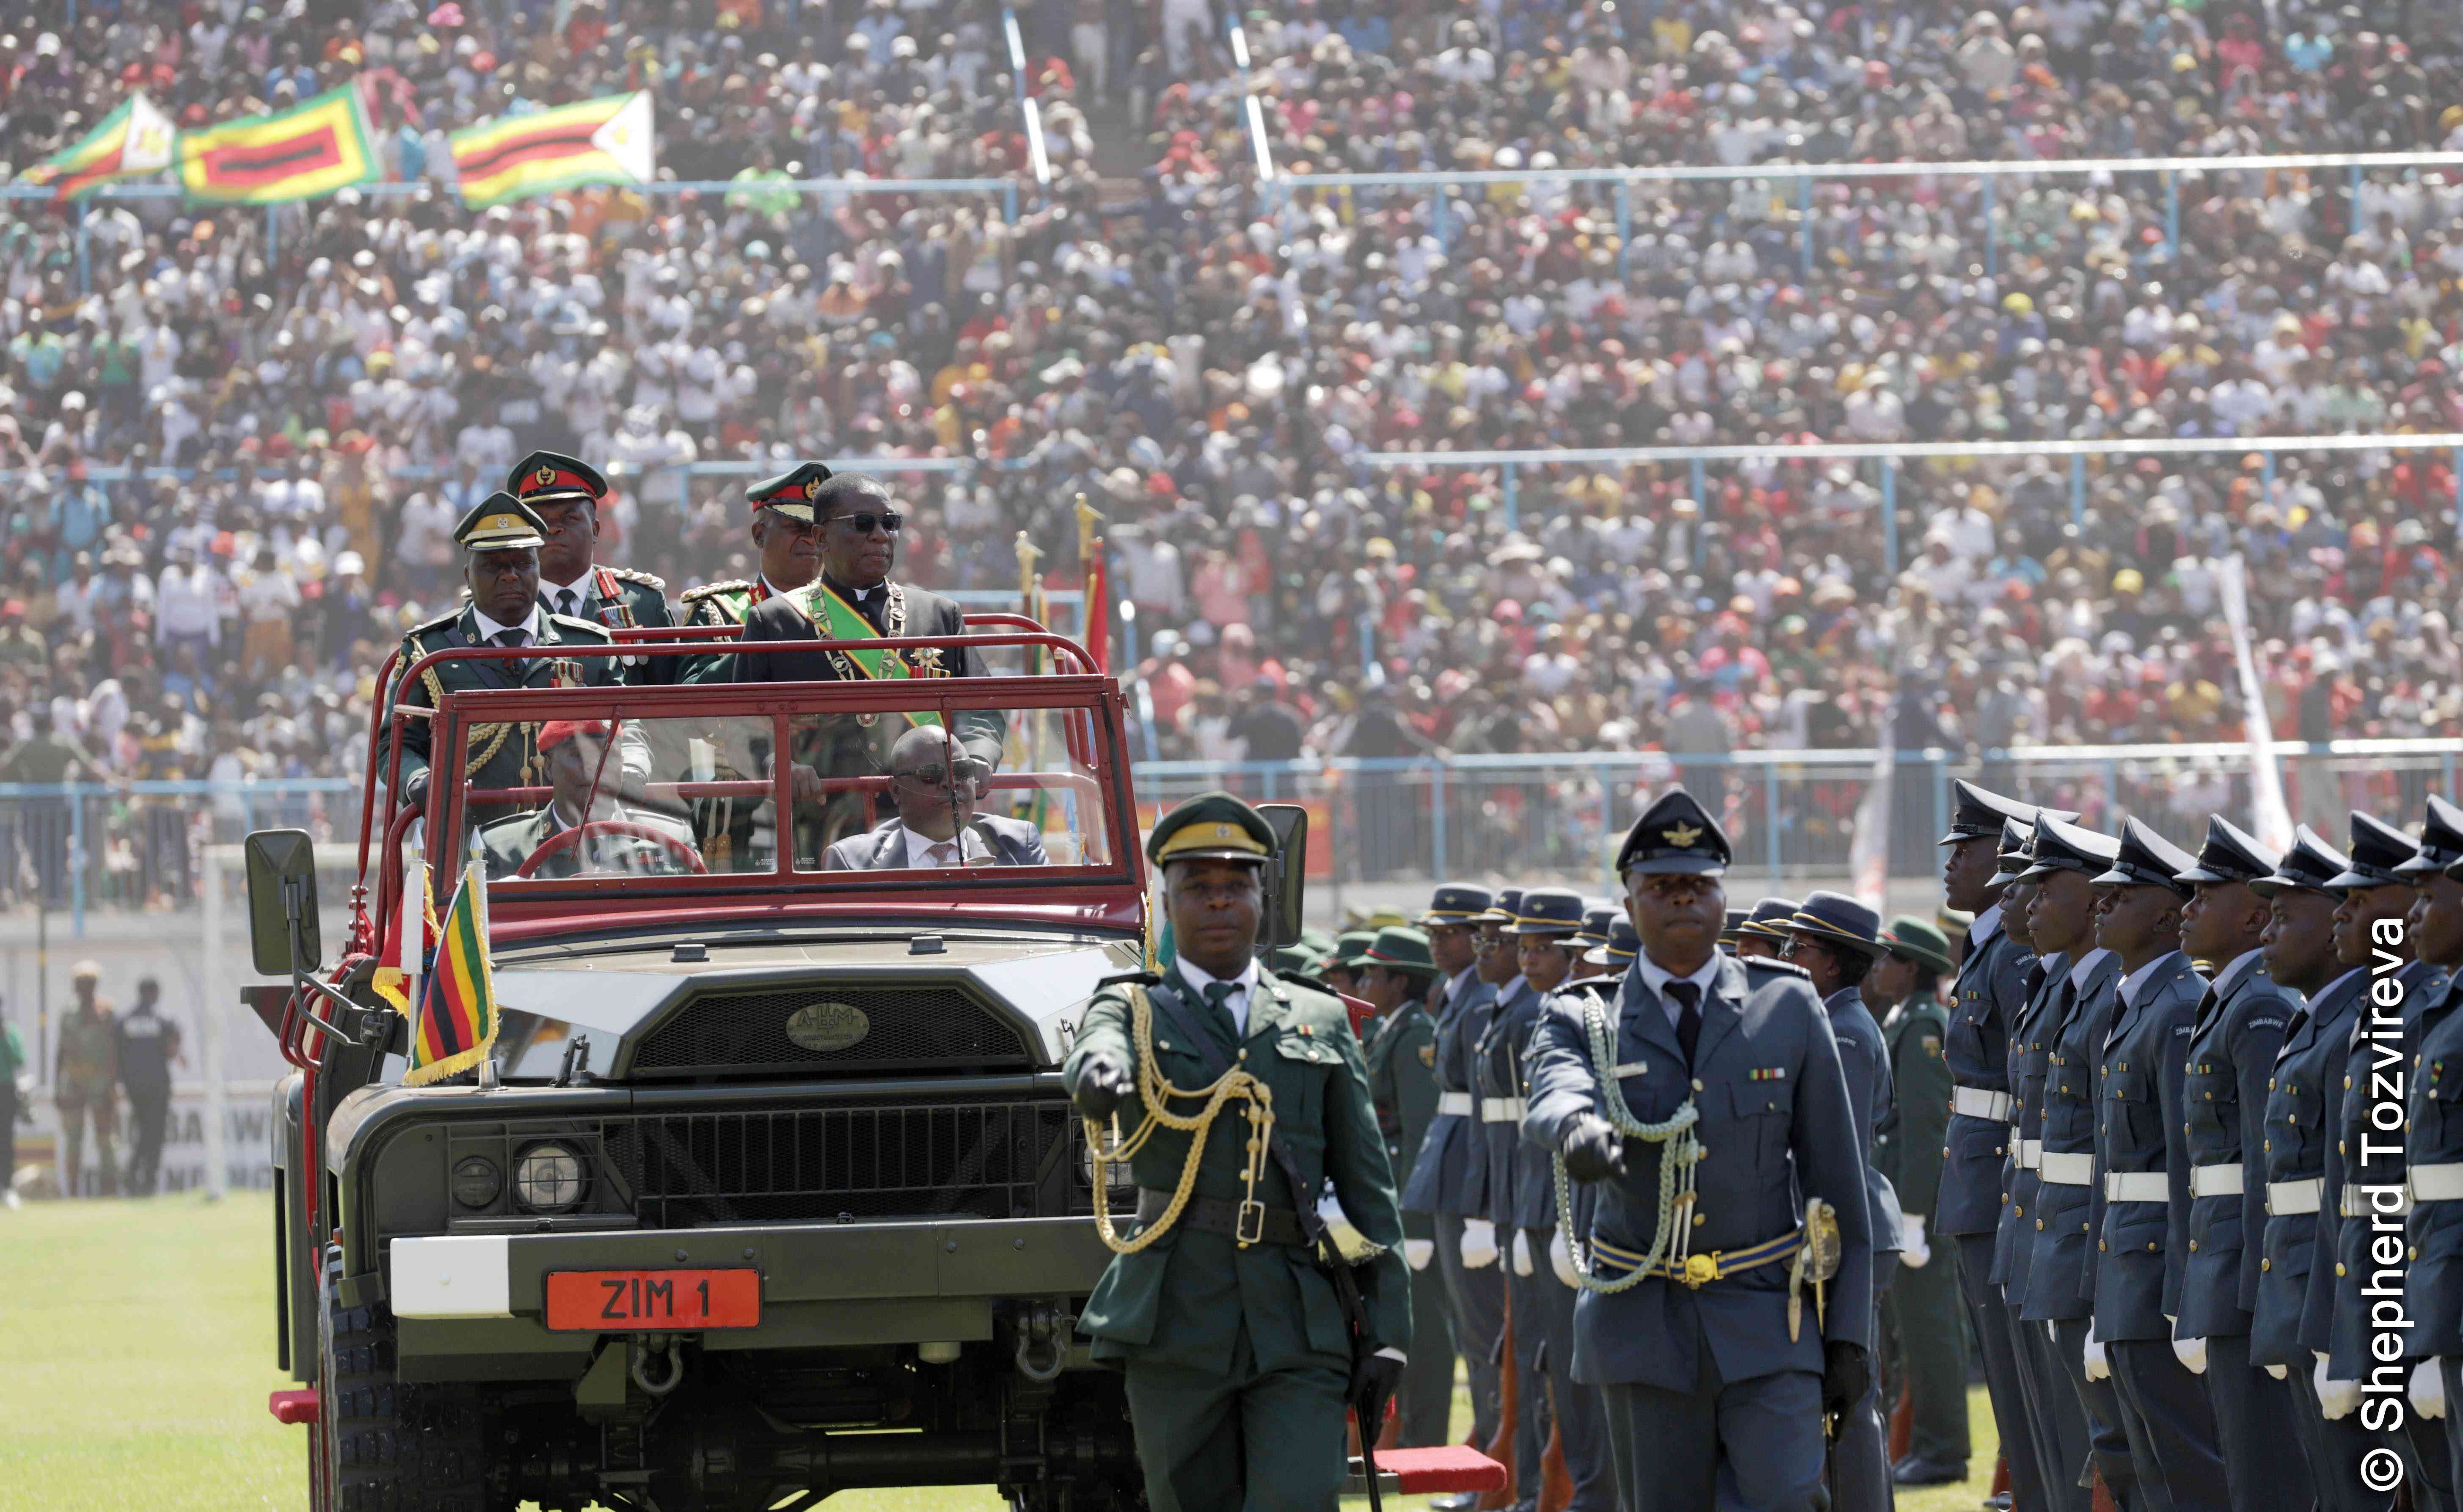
(839, 622)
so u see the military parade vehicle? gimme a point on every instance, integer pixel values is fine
(767, 1185)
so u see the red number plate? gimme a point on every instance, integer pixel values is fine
(627, 1301)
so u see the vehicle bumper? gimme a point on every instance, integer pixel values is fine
(480, 1300)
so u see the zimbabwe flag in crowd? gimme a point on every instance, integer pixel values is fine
(457, 1015)
(316, 148)
(604, 140)
(132, 142)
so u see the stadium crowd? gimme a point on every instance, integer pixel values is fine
(335, 382)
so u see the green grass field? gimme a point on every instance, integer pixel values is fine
(136, 1350)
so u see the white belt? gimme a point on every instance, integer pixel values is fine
(1454, 1103)
(2031, 1155)
(2222, 1179)
(2137, 1186)
(2436, 1183)
(2356, 1203)
(1500, 1109)
(2294, 1197)
(1974, 1102)
(2072, 1170)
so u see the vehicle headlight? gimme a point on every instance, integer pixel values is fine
(550, 1178)
(1116, 1173)
(476, 1181)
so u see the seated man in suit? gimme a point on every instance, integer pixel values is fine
(584, 783)
(933, 783)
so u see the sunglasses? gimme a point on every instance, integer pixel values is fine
(889, 522)
(938, 774)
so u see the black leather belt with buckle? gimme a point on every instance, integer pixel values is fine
(1249, 1222)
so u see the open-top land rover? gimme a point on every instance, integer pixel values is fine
(768, 1188)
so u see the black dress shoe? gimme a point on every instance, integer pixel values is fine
(1915, 1472)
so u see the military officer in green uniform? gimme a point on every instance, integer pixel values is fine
(500, 539)
(1402, 1055)
(790, 551)
(565, 492)
(85, 1082)
(1922, 1343)
(1238, 1360)
(628, 843)
(1344, 966)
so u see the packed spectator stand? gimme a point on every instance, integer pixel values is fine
(237, 440)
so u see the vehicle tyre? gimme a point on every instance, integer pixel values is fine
(387, 1445)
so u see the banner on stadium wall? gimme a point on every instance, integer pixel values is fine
(321, 148)
(130, 143)
(610, 139)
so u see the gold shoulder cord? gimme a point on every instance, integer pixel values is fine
(1153, 1091)
(493, 736)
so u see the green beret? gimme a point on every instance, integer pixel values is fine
(1912, 939)
(1400, 948)
(1213, 826)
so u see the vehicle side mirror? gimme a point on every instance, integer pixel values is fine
(283, 938)
(1286, 874)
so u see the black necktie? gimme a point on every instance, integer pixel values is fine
(564, 602)
(1687, 998)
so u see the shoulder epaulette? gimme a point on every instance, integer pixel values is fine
(1304, 979)
(437, 623)
(647, 580)
(1602, 988)
(566, 622)
(711, 590)
(1141, 978)
(1771, 963)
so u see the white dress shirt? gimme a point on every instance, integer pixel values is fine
(489, 629)
(1656, 978)
(555, 592)
(2136, 980)
(920, 848)
(1199, 978)
(2085, 968)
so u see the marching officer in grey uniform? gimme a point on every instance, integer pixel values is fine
(1543, 1303)
(2429, 928)
(2303, 899)
(1837, 939)
(1967, 1213)
(2433, 1288)
(2170, 1429)
(1920, 1308)
(2061, 918)
(1440, 1183)
(2057, 1422)
(2210, 1264)
(1546, 918)
(1718, 1370)
(1399, 1049)
(2335, 1322)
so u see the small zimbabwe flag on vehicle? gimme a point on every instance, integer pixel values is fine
(457, 1013)
(609, 140)
(132, 142)
(319, 148)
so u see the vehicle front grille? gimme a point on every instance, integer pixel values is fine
(942, 1158)
(918, 1028)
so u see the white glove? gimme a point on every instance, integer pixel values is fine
(2334, 1398)
(1561, 1260)
(2098, 1368)
(1417, 1253)
(1522, 1266)
(1478, 1243)
(2278, 1372)
(2192, 1353)
(1913, 1251)
(2428, 1391)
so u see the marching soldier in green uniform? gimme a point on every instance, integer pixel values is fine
(1401, 1057)
(500, 538)
(1344, 966)
(1222, 1309)
(564, 492)
(1920, 1340)
(790, 551)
